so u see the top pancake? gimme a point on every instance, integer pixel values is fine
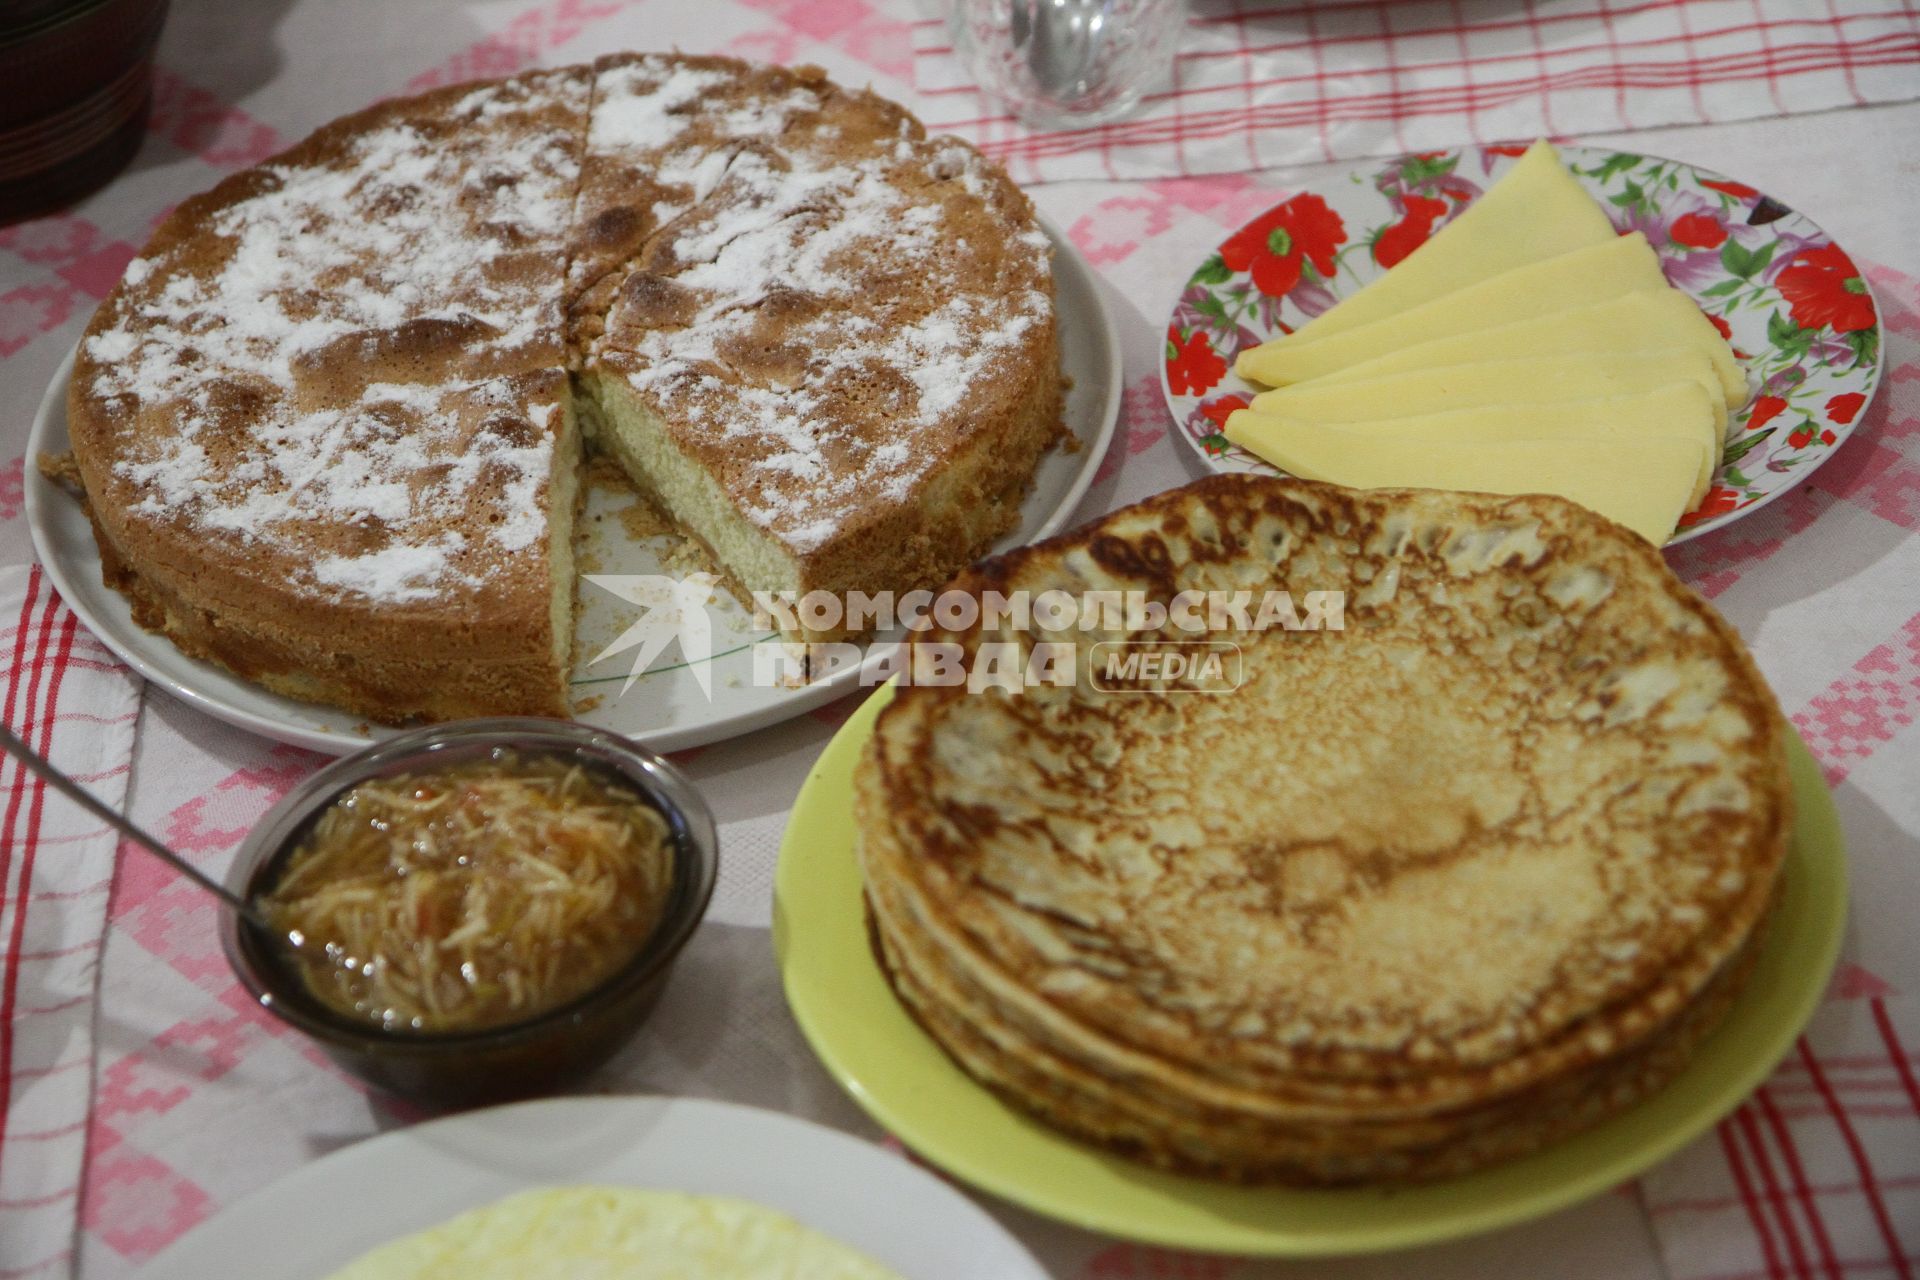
(1516, 814)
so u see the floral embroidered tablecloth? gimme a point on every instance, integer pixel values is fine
(194, 1098)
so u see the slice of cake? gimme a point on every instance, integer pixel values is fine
(827, 348)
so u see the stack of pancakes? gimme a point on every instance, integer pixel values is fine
(1423, 893)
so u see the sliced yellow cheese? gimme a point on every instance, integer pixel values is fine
(1646, 487)
(1548, 379)
(1622, 265)
(1680, 408)
(1536, 210)
(1630, 323)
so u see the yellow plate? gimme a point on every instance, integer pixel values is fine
(890, 1067)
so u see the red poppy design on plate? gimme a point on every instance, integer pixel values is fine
(1718, 502)
(1791, 307)
(1408, 234)
(1823, 287)
(1193, 365)
(1764, 410)
(1274, 244)
(1218, 411)
(1738, 190)
(1698, 231)
(1726, 331)
(1844, 408)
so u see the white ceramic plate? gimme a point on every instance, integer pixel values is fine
(1796, 308)
(313, 1222)
(667, 707)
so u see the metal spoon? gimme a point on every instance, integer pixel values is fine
(10, 742)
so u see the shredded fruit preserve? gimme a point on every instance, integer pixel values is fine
(475, 895)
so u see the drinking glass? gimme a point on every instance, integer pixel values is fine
(1066, 63)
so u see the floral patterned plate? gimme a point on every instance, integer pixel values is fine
(1792, 303)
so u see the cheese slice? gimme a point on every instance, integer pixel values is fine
(1647, 487)
(1630, 323)
(1537, 210)
(1549, 379)
(1679, 408)
(1622, 265)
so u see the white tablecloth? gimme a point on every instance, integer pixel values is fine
(198, 1099)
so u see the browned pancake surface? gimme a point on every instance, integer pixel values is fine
(1509, 823)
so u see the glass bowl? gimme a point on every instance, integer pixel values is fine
(517, 1059)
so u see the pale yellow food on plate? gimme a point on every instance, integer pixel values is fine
(617, 1233)
(1595, 273)
(1471, 873)
(1535, 211)
(1645, 483)
(1586, 375)
(1683, 410)
(1536, 380)
(1632, 323)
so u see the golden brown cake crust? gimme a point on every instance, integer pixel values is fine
(826, 318)
(318, 422)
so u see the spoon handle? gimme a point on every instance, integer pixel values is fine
(10, 742)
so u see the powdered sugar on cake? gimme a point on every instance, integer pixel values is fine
(646, 104)
(804, 232)
(362, 379)
(416, 250)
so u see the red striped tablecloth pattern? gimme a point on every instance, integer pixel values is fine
(1818, 1174)
(1815, 1177)
(1255, 86)
(72, 702)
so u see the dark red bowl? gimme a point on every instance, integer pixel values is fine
(79, 83)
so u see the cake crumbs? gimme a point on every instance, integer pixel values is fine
(61, 469)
